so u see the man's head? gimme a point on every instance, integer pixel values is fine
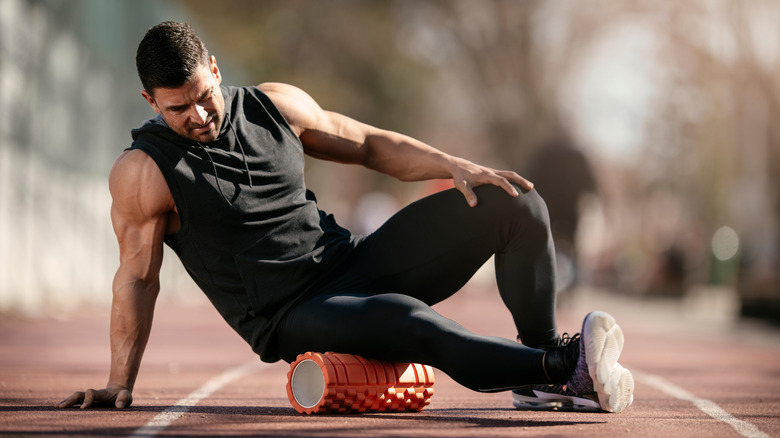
(181, 81)
(168, 55)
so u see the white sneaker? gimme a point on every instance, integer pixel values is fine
(601, 342)
(598, 381)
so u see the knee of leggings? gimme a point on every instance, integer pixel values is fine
(528, 210)
(533, 206)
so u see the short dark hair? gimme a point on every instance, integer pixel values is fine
(168, 55)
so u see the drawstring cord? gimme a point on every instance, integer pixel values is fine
(214, 165)
(241, 148)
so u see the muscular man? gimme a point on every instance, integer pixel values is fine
(218, 176)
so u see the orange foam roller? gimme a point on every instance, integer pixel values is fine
(345, 383)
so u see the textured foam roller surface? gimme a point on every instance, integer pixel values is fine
(345, 383)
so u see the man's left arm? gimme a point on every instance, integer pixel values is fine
(333, 136)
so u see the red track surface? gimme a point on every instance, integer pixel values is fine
(686, 364)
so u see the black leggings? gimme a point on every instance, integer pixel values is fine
(378, 306)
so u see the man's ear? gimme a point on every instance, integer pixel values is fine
(214, 69)
(151, 101)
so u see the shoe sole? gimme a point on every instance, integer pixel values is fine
(554, 402)
(603, 345)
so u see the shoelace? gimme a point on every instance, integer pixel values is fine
(566, 339)
(565, 350)
(571, 355)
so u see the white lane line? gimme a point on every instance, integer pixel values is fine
(748, 430)
(168, 416)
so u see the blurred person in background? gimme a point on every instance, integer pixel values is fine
(218, 176)
(563, 176)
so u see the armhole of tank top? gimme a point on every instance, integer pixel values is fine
(274, 112)
(178, 200)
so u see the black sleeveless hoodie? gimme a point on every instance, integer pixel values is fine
(251, 235)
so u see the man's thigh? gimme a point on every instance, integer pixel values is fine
(376, 326)
(432, 247)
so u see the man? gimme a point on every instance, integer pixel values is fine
(218, 176)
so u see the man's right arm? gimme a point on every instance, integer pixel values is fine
(140, 209)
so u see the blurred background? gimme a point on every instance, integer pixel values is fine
(651, 128)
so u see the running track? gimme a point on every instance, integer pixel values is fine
(697, 376)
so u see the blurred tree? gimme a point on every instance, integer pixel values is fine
(727, 57)
(712, 138)
(343, 52)
(489, 55)
(500, 66)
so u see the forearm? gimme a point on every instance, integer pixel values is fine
(131, 323)
(411, 160)
(336, 137)
(332, 136)
(406, 158)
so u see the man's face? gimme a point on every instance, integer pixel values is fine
(196, 109)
